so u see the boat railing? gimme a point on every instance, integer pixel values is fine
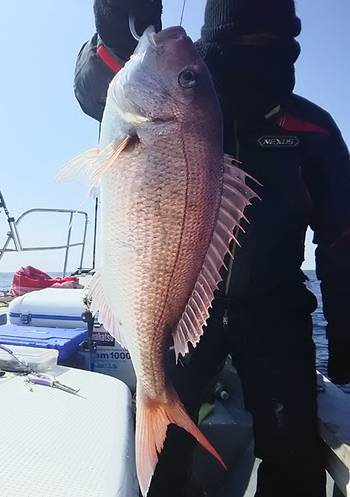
(14, 235)
(334, 421)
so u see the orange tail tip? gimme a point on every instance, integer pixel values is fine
(152, 420)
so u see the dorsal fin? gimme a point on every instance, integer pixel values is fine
(236, 196)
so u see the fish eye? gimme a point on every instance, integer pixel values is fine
(188, 78)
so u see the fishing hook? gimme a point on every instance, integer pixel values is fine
(133, 28)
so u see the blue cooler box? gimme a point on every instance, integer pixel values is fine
(66, 341)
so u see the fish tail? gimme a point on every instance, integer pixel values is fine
(151, 426)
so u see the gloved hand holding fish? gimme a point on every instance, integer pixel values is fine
(170, 201)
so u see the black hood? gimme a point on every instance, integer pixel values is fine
(250, 49)
(226, 18)
(251, 79)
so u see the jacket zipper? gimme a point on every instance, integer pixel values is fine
(225, 320)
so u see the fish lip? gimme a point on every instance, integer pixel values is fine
(172, 33)
(156, 38)
(150, 34)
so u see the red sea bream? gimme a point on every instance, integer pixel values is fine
(170, 201)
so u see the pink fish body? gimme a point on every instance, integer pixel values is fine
(170, 201)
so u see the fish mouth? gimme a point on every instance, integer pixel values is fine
(172, 33)
(157, 38)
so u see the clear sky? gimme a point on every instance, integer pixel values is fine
(42, 124)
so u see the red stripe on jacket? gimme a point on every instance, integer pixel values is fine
(108, 58)
(291, 123)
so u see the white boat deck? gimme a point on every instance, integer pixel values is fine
(334, 418)
(56, 444)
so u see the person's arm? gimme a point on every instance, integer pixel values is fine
(108, 50)
(329, 185)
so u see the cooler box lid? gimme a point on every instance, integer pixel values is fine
(66, 341)
(40, 360)
(51, 305)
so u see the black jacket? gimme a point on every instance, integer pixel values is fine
(297, 152)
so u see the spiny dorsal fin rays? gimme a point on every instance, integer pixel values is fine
(241, 197)
(236, 196)
(233, 166)
(221, 225)
(232, 161)
(236, 183)
(199, 309)
(227, 213)
(198, 296)
(230, 205)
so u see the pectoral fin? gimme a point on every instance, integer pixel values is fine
(93, 163)
(108, 158)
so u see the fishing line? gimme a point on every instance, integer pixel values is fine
(183, 10)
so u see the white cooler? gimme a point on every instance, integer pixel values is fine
(51, 307)
(56, 444)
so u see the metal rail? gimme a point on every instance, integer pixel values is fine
(13, 234)
(334, 420)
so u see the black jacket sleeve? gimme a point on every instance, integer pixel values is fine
(93, 73)
(108, 50)
(329, 186)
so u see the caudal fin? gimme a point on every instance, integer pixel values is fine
(152, 420)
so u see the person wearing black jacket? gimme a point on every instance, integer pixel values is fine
(262, 313)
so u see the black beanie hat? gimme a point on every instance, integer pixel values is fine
(224, 18)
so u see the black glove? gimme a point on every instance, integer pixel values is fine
(339, 360)
(112, 22)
